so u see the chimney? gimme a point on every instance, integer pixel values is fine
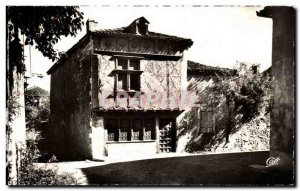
(91, 26)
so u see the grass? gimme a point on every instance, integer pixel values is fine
(206, 170)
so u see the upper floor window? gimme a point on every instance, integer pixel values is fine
(127, 73)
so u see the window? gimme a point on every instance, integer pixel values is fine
(112, 130)
(149, 129)
(130, 129)
(127, 73)
(137, 129)
(122, 81)
(124, 130)
(135, 82)
(134, 64)
(122, 64)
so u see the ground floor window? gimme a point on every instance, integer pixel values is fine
(148, 129)
(113, 131)
(137, 129)
(126, 129)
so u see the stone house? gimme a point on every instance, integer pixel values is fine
(117, 93)
(199, 77)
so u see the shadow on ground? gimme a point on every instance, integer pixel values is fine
(206, 170)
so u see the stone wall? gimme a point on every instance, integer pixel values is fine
(131, 149)
(283, 72)
(70, 105)
(282, 142)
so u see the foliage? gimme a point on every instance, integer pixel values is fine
(36, 115)
(31, 175)
(37, 106)
(13, 109)
(248, 92)
(44, 25)
(236, 100)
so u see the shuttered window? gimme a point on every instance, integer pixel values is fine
(206, 121)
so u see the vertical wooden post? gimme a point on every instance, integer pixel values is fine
(143, 129)
(116, 75)
(128, 75)
(115, 90)
(119, 129)
(157, 134)
(116, 63)
(128, 81)
(131, 128)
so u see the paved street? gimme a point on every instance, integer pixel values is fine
(207, 170)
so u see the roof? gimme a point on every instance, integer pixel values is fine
(122, 32)
(64, 56)
(130, 32)
(37, 91)
(197, 68)
(125, 32)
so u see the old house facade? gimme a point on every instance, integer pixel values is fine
(117, 92)
(197, 125)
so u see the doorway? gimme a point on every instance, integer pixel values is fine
(167, 133)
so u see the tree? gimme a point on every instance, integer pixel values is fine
(244, 96)
(42, 27)
(37, 110)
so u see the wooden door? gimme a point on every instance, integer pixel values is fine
(166, 135)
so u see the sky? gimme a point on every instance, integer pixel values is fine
(222, 35)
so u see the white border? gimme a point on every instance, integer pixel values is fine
(104, 2)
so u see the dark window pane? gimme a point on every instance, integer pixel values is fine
(122, 64)
(134, 64)
(137, 129)
(135, 82)
(124, 130)
(112, 130)
(149, 125)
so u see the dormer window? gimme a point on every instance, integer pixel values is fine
(142, 27)
(138, 26)
(127, 73)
